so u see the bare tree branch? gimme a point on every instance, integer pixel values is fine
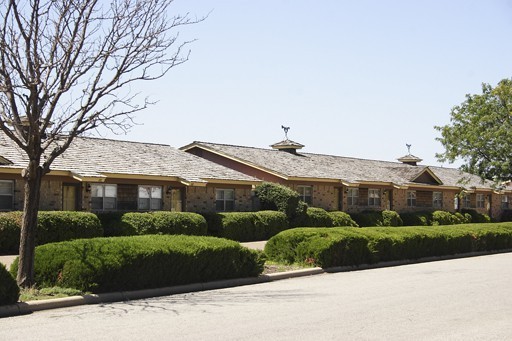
(67, 67)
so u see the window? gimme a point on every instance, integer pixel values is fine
(150, 198)
(224, 199)
(480, 201)
(466, 201)
(373, 197)
(504, 201)
(6, 194)
(411, 198)
(437, 199)
(104, 197)
(353, 196)
(306, 194)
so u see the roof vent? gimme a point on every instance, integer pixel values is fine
(409, 159)
(287, 145)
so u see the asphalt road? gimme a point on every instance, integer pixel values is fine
(462, 299)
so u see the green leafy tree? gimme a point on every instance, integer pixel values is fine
(480, 133)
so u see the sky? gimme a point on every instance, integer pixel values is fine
(350, 78)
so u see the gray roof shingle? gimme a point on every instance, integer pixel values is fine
(96, 157)
(346, 169)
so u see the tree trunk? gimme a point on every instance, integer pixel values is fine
(33, 175)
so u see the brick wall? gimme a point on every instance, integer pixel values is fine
(495, 206)
(202, 199)
(51, 195)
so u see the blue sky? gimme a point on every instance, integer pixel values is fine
(351, 78)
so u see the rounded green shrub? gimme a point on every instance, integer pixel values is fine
(318, 217)
(368, 218)
(340, 218)
(10, 223)
(141, 262)
(112, 225)
(246, 226)
(52, 226)
(272, 223)
(55, 226)
(275, 197)
(9, 290)
(163, 223)
(443, 218)
(416, 218)
(391, 218)
(506, 215)
(476, 217)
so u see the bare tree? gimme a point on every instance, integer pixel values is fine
(66, 68)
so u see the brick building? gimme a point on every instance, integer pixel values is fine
(354, 185)
(110, 175)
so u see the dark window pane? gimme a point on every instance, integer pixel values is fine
(5, 202)
(230, 205)
(144, 204)
(97, 203)
(219, 205)
(156, 204)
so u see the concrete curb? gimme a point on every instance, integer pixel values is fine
(22, 308)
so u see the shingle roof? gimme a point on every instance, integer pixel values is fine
(346, 169)
(95, 157)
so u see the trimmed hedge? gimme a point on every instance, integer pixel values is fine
(163, 223)
(476, 217)
(9, 290)
(10, 223)
(275, 197)
(246, 226)
(56, 226)
(506, 215)
(53, 226)
(377, 218)
(141, 262)
(391, 218)
(317, 217)
(416, 218)
(328, 247)
(448, 218)
(342, 219)
(111, 223)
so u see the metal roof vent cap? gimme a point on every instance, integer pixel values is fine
(287, 145)
(409, 159)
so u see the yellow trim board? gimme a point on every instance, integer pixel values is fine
(233, 182)
(141, 177)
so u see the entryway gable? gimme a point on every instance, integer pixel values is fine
(427, 176)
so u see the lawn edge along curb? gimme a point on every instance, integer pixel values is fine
(22, 308)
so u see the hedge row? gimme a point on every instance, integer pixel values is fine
(318, 217)
(141, 262)
(328, 247)
(53, 226)
(159, 222)
(246, 226)
(241, 226)
(392, 218)
(9, 290)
